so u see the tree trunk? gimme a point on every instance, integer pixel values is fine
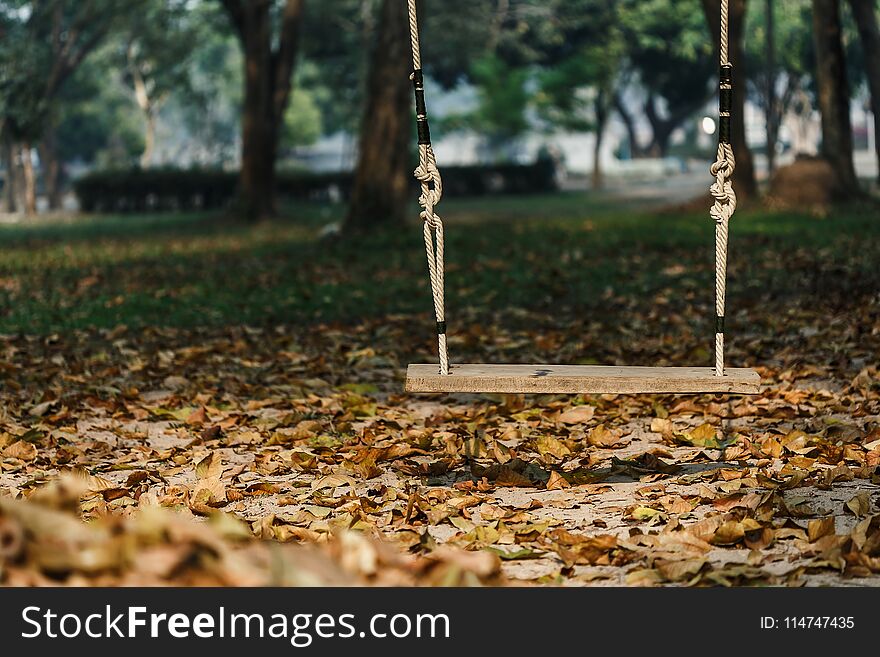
(145, 104)
(833, 94)
(659, 146)
(51, 168)
(9, 183)
(770, 109)
(268, 74)
(661, 131)
(744, 176)
(29, 178)
(382, 177)
(149, 140)
(869, 33)
(257, 183)
(601, 123)
(635, 149)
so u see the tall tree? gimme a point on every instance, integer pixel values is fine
(157, 53)
(865, 13)
(744, 177)
(43, 43)
(834, 93)
(270, 57)
(382, 177)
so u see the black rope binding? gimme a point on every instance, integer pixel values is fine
(725, 104)
(418, 79)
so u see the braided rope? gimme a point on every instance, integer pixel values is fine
(722, 191)
(428, 175)
(725, 32)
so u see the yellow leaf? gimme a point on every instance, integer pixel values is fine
(729, 533)
(703, 436)
(553, 446)
(210, 467)
(644, 513)
(601, 437)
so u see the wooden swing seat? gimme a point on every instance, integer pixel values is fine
(580, 379)
(577, 379)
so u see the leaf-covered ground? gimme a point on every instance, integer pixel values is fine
(256, 374)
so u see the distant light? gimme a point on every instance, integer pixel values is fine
(709, 125)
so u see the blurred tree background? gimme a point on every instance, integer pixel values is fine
(271, 90)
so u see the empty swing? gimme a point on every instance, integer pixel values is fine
(575, 379)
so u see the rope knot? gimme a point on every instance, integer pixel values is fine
(428, 175)
(722, 189)
(723, 168)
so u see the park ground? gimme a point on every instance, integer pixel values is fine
(252, 377)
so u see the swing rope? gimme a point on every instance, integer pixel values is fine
(722, 189)
(428, 175)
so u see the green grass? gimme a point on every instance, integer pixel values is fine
(560, 255)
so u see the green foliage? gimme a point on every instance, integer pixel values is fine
(576, 85)
(503, 99)
(169, 189)
(160, 45)
(671, 50)
(304, 119)
(793, 35)
(336, 38)
(42, 46)
(95, 124)
(155, 53)
(210, 112)
(455, 34)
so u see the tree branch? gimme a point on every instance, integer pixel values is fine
(68, 56)
(284, 60)
(235, 11)
(629, 122)
(73, 58)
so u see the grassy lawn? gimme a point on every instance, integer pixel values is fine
(559, 257)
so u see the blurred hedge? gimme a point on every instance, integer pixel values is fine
(170, 189)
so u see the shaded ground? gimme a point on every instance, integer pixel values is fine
(297, 424)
